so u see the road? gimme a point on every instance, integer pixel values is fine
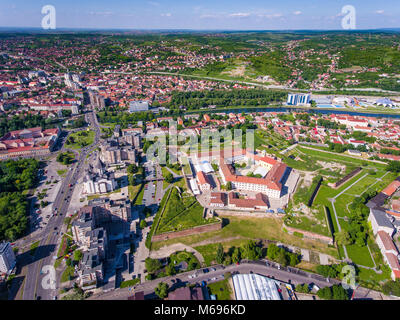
(51, 234)
(287, 275)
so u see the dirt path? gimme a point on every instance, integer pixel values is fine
(166, 251)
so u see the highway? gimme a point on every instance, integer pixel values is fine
(50, 236)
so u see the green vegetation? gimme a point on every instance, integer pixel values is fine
(221, 289)
(336, 292)
(66, 157)
(202, 99)
(129, 283)
(33, 248)
(161, 290)
(182, 211)
(392, 288)
(68, 274)
(80, 139)
(282, 256)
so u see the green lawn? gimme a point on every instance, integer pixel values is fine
(80, 139)
(67, 274)
(34, 247)
(133, 191)
(251, 228)
(139, 198)
(221, 289)
(208, 252)
(360, 255)
(129, 283)
(182, 212)
(336, 157)
(61, 172)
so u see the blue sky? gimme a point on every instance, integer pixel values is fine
(201, 14)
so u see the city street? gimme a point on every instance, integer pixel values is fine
(286, 275)
(50, 237)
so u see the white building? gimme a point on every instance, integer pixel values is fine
(255, 287)
(296, 99)
(7, 257)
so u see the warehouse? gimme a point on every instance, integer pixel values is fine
(255, 287)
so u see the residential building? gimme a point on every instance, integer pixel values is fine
(7, 258)
(28, 142)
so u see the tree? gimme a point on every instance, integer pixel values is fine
(169, 177)
(170, 270)
(249, 251)
(143, 224)
(152, 265)
(393, 166)
(304, 288)
(392, 288)
(78, 255)
(236, 255)
(220, 254)
(227, 260)
(132, 169)
(161, 290)
(343, 238)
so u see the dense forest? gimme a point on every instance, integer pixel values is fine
(201, 99)
(15, 177)
(22, 122)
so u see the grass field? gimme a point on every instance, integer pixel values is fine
(133, 191)
(251, 228)
(182, 212)
(221, 289)
(67, 274)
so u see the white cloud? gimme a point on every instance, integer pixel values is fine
(380, 11)
(166, 14)
(297, 13)
(104, 13)
(271, 16)
(208, 16)
(239, 15)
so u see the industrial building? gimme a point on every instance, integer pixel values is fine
(255, 287)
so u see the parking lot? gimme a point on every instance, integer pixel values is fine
(49, 185)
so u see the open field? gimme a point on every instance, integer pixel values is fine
(251, 228)
(182, 211)
(221, 289)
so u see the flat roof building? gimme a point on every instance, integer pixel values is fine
(138, 106)
(255, 287)
(7, 258)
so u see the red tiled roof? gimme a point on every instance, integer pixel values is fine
(202, 178)
(391, 188)
(260, 200)
(393, 261)
(272, 180)
(218, 198)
